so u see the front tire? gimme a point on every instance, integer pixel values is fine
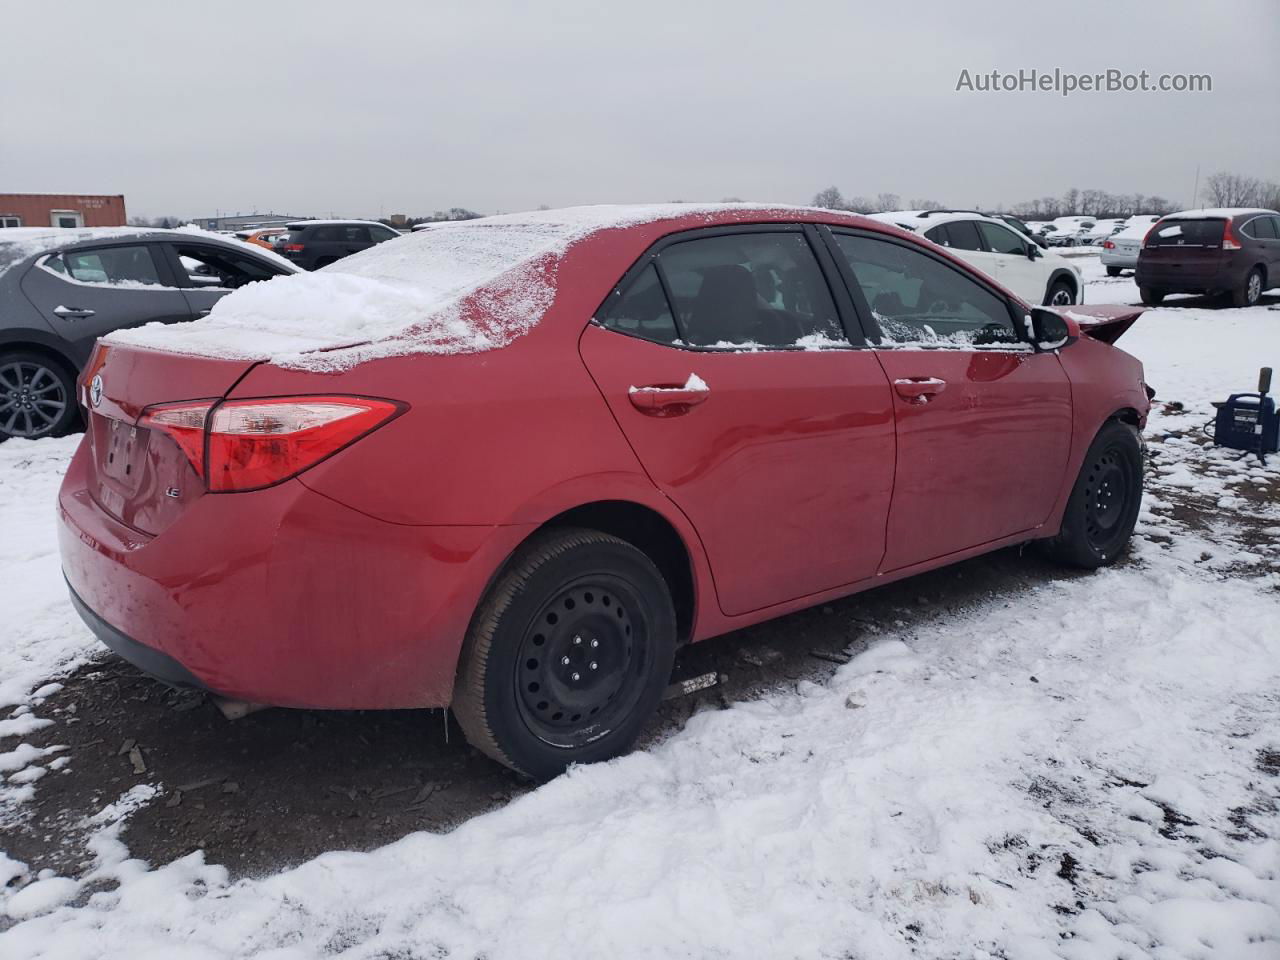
(1250, 292)
(37, 396)
(1151, 296)
(1105, 500)
(1061, 294)
(568, 655)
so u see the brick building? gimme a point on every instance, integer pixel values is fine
(61, 210)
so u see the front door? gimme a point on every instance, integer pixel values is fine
(1024, 275)
(983, 422)
(748, 407)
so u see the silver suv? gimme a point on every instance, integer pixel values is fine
(62, 289)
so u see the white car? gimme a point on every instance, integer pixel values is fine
(1069, 231)
(1103, 229)
(1013, 260)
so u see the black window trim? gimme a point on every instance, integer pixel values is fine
(827, 266)
(872, 332)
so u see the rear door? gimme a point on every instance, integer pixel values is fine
(723, 357)
(983, 423)
(961, 237)
(1265, 231)
(88, 291)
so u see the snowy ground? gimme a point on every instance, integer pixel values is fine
(1086, 767)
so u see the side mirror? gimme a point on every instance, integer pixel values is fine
(1048, 330)
(1033, 251)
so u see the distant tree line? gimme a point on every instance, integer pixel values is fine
(166, 223)
(440, 216)
(1225, 189)
(1086, 203)
(832, 199)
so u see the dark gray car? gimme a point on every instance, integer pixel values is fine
(312, 244)
(62, 289)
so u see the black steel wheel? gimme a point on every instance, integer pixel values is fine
(567, 655)
(37, 396)
(1103, 508)
(1061, 294)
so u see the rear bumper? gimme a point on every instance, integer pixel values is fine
(1117, 258)
(1192, 278)
(281, 596)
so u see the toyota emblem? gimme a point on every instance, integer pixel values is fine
(95, 390)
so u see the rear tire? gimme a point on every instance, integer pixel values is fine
(1250, 292)
(1113, 271)
(1151, 296)
(1105, 500)
(37, 396)
(568, 655)
(1061, 294)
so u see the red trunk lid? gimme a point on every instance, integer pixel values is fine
(139, 476)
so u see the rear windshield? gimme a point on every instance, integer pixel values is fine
(1187, 233)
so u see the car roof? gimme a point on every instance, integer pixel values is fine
(1218, 213)
(917, 221)
(299, 224)
(20, 243)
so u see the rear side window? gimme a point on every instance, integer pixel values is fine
(918, 301)
(963, 235)
(1001, 239)
(763, 289)
(353, 234)
(119, 266)
(1187, 233)
(641, 310)
(1261, 228)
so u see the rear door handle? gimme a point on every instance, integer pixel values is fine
(664, 401)
(72, 313)
(919, 389)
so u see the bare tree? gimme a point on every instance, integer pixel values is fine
(926, 205)
(831, 198)
(884, 202)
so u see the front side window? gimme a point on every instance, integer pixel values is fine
(380, 234)
(919, 301)
(1001, 239)
(762, 289)
(118, 266)
(206, 267)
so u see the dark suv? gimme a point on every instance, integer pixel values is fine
(1231, 252)
(313, 244)
(61, 289)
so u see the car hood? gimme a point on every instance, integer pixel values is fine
(1105, 322)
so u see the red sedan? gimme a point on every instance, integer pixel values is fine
(509, 466)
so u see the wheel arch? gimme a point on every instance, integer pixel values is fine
(34, 341)
(1062, 273)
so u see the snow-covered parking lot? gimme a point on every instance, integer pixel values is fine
(1041, 765)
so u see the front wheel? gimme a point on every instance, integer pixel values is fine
(1105, 500)
(568, 654)
(37, 396)
(1061, 294)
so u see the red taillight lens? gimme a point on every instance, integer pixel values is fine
(258, 443)
(1108, 245)
(1229, 241)
(184, 422)
(294, 247)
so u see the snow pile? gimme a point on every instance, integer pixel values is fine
(460, 287)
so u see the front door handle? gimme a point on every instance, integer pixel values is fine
(71, 313)
(659, 400)
(919, 389)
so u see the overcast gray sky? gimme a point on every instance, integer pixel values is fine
(391, 106)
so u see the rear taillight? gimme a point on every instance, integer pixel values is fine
(293, 247)
(249, 444)
(1229, 241)
(1108, 245)
(1147, 237)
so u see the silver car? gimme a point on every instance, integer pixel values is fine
(61, 289)
(1120, 250)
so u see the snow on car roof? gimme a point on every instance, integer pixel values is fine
(408, 297)
(916, 219)
(1216, 213)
